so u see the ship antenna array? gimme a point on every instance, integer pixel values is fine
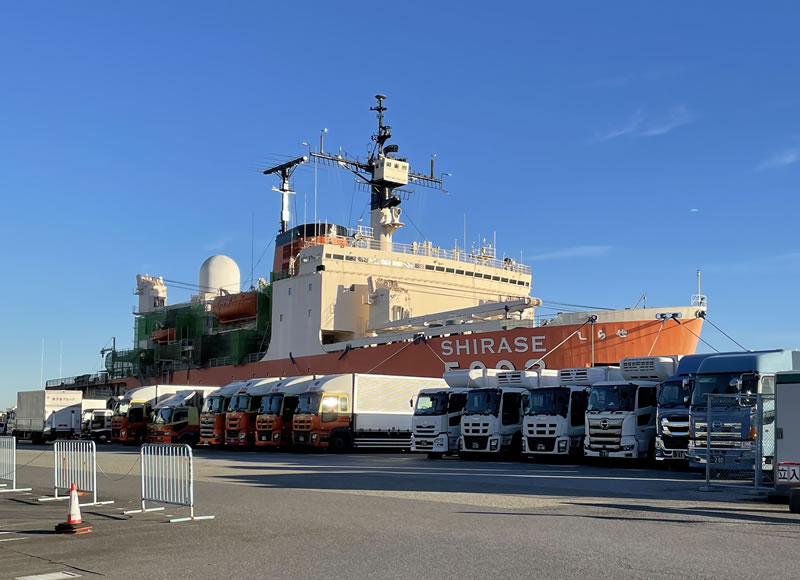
(285, 170)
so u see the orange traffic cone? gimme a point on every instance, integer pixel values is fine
(74, 524)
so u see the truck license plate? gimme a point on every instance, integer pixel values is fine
(717, 459)
(301, 438)
(475, 446)
(679, 454)
(604, 453)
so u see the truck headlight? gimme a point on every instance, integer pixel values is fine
(562, 446)
(493, 444)
(628, 447)
(438, 441)
(123, 433)
(313, 436)
(275, 436)
(242, 436)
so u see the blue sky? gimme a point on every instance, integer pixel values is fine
(584, 134)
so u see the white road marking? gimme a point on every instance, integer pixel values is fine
(12, 539)
(50, 576)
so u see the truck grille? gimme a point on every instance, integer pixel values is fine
(475, 443)
(605, 438)
(718, 430)
(302, 424)
(231, 435)
(676, 426)
(539, 429)
(547, 443)
(264, 435)
(475, 428)
(424, 430)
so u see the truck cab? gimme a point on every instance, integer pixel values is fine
(323, 414)
(436, 425)
(131, 414)
(554, 422)
(276, 412)
(672, 419)
(492, 419)
(212, 415)
(621, 414)
(734, 432)
(176, 419)
(240, 419)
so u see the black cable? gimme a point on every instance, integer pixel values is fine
(703, 316)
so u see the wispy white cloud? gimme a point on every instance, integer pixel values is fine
(782, 159)
(640, 124)
(573, 252)
(629, 127)
(678, 116)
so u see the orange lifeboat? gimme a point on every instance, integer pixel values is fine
(164, 335)
(235, 307)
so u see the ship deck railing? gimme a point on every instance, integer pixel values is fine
(487, 257)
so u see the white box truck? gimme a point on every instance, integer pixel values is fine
(46, 415)
(359, 410)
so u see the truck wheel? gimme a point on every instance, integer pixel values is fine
(187, 440)
(794, 501)
(37, 439)
(339, 443)
(435, 455)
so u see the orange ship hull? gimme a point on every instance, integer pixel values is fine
(517, 349)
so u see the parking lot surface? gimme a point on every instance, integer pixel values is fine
(398, 516)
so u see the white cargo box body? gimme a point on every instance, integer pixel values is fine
(381, 402)
(93, 404)
(37, 410)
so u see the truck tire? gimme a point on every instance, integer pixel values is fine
(339, 443)
(794, 501)
(187, 440)
(37, 438)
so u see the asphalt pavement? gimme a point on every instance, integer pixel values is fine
(398, 515)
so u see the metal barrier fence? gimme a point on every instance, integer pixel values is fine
(737, 441)
(75, 462)
(168, 477)
(8, 464)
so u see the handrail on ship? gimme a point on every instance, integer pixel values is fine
(428, 249)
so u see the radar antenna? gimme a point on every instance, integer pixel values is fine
(286, 170)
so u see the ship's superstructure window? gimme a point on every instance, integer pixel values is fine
(290, 291)
(309, 287)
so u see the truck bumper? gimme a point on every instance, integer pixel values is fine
(268, 438)
(557, 446)
(430, 444)
(666, 454)
(624, 451)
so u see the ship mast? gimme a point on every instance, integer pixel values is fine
(285, 170)
(384, 173)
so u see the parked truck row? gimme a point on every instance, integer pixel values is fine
(647, 407)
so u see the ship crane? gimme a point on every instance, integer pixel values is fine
(383, 173)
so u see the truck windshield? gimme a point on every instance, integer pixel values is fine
(136, 413)
(308, 403)
(483, 402)
(121, 408)
(98, 422)
(213, 404)
(554, 401)
(431, 404)
(674, 393)
(162, 416)
(612, 398)
(271, 404)
(239, 404)
(719, 384)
